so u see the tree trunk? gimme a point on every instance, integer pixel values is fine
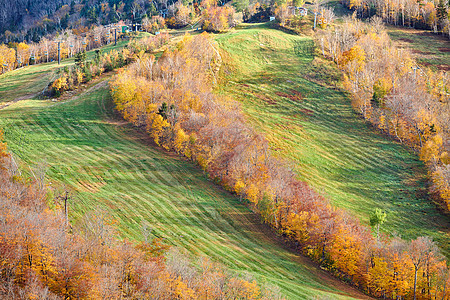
(419, 134)
(415, 280)
(428, 280)
(403, 16)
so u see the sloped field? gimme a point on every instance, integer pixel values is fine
(291, 96)
(28, 81)
(110, 166)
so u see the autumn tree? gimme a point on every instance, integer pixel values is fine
(377, 219)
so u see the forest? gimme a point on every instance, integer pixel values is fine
(169, 83)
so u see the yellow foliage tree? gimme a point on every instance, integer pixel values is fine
(7, 57)
(158, 125)
(3, 148)
(430, 150)
(181, 139)
(355, 54)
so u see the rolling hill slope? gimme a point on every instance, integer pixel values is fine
(291, 96)
(29, 81)
(112, 167)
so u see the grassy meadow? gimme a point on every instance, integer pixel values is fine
(290, 95)
(111, 167)
(429, 49)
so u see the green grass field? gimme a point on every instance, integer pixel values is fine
(109, 165)
(290, 95)
(431, 50)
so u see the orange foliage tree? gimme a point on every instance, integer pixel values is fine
(42, 257)
(173, 99)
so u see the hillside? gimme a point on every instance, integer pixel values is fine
(31, 81)
(292, 101)
(14, 14)
(108, 165)
(290, 95)
(431, 50)
(30, 20)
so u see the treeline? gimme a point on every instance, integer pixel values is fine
(432, 15)
(410, 103)
(172, 99)
(31, 26)
(14, 14)
(16, 55)
(84, 71)
(207, 14)
(43, 257)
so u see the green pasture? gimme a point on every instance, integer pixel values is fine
(431, 50)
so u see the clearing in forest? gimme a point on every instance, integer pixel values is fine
(293, 98)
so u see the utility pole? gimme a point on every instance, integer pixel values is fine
(315, 18)
(59, 52)
(415, 68)
(66, 208)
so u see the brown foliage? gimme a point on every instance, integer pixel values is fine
(41, 257)
(173, 99)
(392, 92)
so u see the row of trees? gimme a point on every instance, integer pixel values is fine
(208, 14)
(172, 99)
(153, 25)
(84, 71)
(43, 257)
(289, 16)
(148, 44)
(391, 91)
(425, 14)
(70, 42)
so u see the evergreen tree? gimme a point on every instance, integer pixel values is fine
(441, 11)
(80, 59)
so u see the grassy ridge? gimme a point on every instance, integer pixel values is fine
(111, 166)
(287, 94)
